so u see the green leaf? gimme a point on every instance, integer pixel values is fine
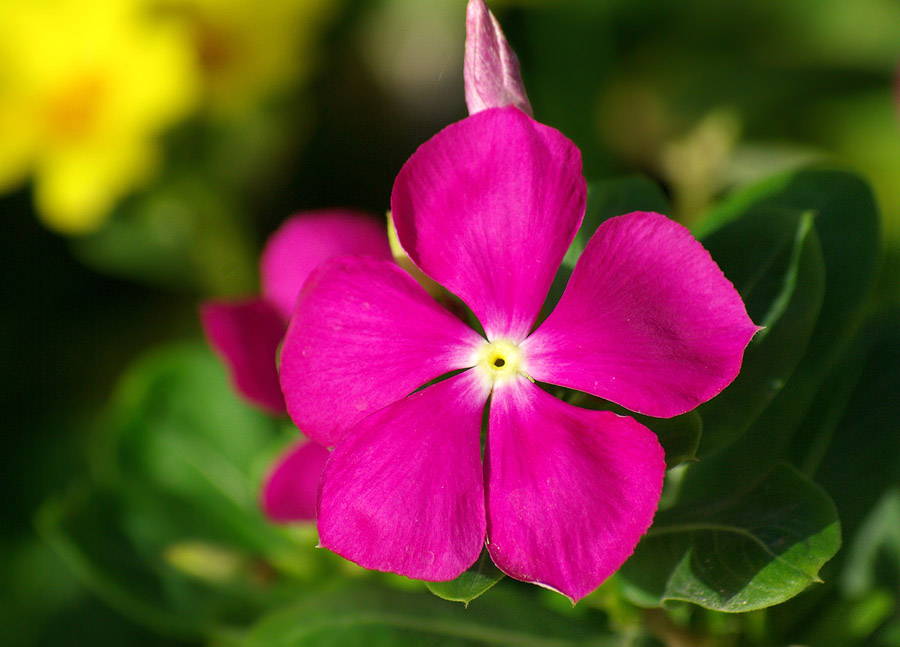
(370, 617)
(877, 537)
(184, 450)
(846, 219)
(775, 261)
(88, 531)
(171, 534)
(480, 577)
(739, 552)
(840, 621)
(846, 222)
(848, 442)
(679, 436)
(611, 198)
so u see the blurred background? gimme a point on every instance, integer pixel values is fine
(148, 148)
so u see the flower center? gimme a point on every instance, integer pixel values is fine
(74, 110)
(499, 360)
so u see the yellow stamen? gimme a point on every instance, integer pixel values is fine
(500, 361)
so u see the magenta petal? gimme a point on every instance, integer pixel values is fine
(648, 321)
(307, 239)
(488, 208)
(289, 492)
(364, 334)
(491, 70)
(569, 491)
(403, 492)
(246, 335)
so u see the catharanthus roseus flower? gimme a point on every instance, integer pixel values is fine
(487, 208)
(247, 334)
(289, 492)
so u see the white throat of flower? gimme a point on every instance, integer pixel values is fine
(499, 362)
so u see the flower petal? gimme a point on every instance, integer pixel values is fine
(491, 69)
(246, 335)
(364, 334)
(488, 208)
(648, 321)
(403, 492)
(289, 491)
(306, 240)
(569, 491)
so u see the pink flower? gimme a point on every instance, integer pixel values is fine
(488, 208)
(288, 493)
(247, 334)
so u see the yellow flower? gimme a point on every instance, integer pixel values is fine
(250, 50)
(86, 87)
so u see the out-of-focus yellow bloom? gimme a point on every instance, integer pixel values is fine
(86, 87)
(249, 50)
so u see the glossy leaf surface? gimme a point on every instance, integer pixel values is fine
(737, 552)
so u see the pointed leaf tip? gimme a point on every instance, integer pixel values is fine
(473, 582)
(491, 70)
